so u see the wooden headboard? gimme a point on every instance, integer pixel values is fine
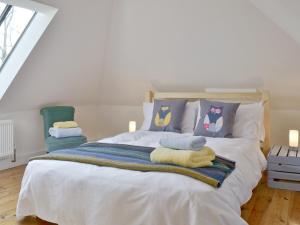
(258, 96)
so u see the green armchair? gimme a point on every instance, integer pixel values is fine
(56, 114)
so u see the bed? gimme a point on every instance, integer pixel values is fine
(71, 193)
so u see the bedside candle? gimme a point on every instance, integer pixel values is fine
(132, 126)
(293, 138)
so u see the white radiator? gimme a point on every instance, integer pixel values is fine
(6, 139)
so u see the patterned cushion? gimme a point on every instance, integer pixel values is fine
(167, 115)
(217, 119)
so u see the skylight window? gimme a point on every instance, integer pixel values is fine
(13, 22)
(22, 23)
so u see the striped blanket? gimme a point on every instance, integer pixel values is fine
(138, 158)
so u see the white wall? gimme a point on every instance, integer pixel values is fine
(65, 68)
(190, 45)
(114, 119)
(282, 121)
(67, 63)
(174, 45)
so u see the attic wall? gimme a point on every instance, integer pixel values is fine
(284, 14)
(67, 63)
(171, 45)
(64, 68)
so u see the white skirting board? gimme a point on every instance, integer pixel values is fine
(21, 159)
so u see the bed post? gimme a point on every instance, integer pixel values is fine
(149, 96)
(266, 102)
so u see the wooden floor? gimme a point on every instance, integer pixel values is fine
(267, 206)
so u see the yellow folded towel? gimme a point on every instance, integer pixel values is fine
(186, 158)
(65, 124)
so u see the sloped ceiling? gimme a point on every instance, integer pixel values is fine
(175, 45)
(111, 52)
(285, 14)
(65, 67)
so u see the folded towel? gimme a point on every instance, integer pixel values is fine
(182, 143)
(186, 158)
(65, 132)
(65, 124)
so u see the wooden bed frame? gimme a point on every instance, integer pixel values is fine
(258, 96)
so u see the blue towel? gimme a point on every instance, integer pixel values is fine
(65, 132)
(183, 143)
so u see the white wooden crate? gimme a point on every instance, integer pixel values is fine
(284, 168)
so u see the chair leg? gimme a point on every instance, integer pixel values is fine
(33, 220)
(42, 222)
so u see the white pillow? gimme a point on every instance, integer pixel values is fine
(188, 120)
(249, 121)
(147, 111)
(189, 117)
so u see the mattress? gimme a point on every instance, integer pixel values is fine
(69, 193)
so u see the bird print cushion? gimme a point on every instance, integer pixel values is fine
(167, 115)
(217, 119)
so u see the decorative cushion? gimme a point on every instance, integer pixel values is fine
(217, 119)
(189, 117)
(167, 115)
(62, 143)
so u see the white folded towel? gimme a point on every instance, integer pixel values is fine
(65, 132)
(183, 143)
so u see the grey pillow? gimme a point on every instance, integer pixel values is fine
(217, 119)
(167, 115)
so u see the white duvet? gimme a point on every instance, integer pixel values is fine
(70, 193)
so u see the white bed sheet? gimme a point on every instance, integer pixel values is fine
(70, 193)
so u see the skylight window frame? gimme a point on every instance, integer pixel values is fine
(30, 37)
(5, 13)
(19, 38)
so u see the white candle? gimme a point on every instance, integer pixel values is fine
(293, 138)
(132, 126)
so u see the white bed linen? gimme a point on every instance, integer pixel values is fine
(70, 193)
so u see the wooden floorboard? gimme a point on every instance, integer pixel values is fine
(266, 207)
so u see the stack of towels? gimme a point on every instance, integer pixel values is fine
(184, 151)
(65, 129)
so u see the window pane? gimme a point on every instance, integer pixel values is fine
(11, 30)
(2, 7)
